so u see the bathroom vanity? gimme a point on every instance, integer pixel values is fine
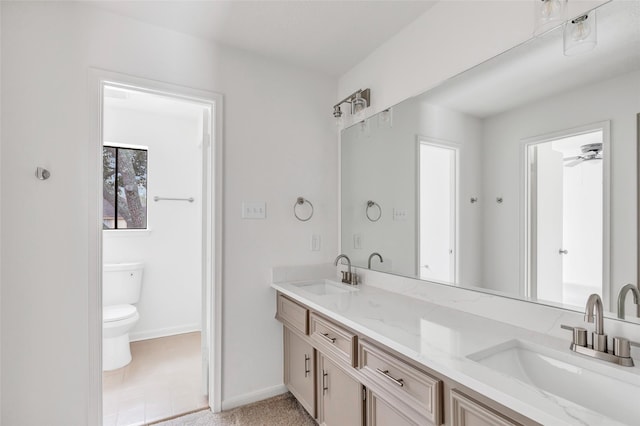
(366, 356)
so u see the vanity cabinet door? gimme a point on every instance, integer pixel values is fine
(467, 412)
(383, 413)
(340, 397)
(299, 370)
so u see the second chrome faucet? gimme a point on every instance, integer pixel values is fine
(348, 277)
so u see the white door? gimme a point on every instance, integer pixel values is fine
(547, 220)
(437, 212)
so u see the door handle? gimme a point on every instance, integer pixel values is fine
(561, 251)
(325, 388)
(306, 365)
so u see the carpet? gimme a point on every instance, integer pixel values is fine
(281, 410)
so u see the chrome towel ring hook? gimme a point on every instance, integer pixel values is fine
(371, 204)
(299, 202)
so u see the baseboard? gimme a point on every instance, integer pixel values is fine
(250, 397)
(163, 332)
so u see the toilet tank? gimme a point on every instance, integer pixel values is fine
(121, 283)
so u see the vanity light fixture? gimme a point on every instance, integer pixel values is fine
(580, 35)
(359, 101)
(548, 14)
(337, 113)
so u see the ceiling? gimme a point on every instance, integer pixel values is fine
(327, 36)
(538, 68)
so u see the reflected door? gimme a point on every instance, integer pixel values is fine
(437, 225)
(547, 222)
(566, 208)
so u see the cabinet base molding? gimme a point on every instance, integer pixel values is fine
(255, 396)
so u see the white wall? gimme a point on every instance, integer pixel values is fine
(608, 100)
(171, 251)
(278, 145)
(447, 39)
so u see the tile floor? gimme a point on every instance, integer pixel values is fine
(162, 380)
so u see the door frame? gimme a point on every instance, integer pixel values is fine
(455, 147)
(212, 223)
(525, 219)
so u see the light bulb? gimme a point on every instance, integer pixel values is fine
(580, 34)
(339, 122)
(384, 119)
(581, 28)
(549, 9)
(548, 15)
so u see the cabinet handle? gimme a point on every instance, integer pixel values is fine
(326, 336)
(386, 374)
(306, 365)
(325, 388)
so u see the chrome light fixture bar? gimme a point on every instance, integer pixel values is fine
(358, 100)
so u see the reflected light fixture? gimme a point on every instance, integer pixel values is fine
(580, 35)
(359, 101)
(337, 113)
(385, 119)
(548, 14)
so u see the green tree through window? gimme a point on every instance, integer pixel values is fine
(124, 172)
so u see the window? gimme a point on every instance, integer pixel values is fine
(124, 174)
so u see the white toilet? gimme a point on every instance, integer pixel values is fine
(121, 284)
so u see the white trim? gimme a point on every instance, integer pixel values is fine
(124, 145)
(605, 126)
(97, 79)
(128, 233)
(164, 332)
(255, 396)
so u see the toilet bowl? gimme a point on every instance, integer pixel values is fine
(117, 321)
(121, 286)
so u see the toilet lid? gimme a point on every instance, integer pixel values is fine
(118, 312)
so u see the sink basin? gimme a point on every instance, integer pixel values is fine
(324, 287)
(567, 376)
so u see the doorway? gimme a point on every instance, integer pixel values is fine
(159, 196)
(565, 193)
(437, 211)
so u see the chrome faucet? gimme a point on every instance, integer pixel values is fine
(348, 277)
(371, 257)
(623, 295)
(599, 338)
(621, 351)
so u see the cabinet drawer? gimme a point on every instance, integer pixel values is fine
(292, 314)
(467, 412)
(402, 383)
(333, 339)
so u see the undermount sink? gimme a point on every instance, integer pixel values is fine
(324, 287)
(566, 376)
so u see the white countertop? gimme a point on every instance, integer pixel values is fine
(441, 338)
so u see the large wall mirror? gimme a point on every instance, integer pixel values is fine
(517, 177)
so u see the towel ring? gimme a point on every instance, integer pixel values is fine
(300, 201)
(372, 204)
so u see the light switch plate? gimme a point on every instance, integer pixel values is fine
(357, 241)
(254, 210)
(399, 215)
(315, 242)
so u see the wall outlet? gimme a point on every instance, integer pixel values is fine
(399, 215)
(357, 241)
(256, 210)
(315, 242)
